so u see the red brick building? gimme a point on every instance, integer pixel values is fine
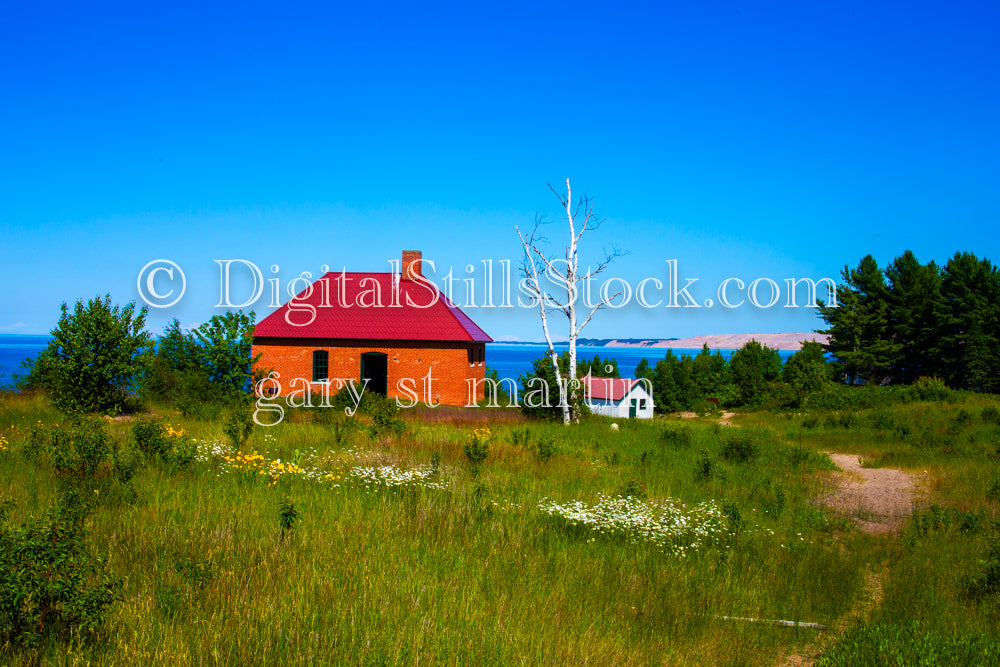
(398, 331)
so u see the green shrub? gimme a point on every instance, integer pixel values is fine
(149, 435)
(51, 585)
(341, 428)
(182, 452)
(882, 420)
(385, 416)
(986, 582)
(705, 467)
(238, 426)
(990, 415)
(740, 446)
(127, 461)
(81, 448)
(521, 437)
(932, 389)
(545, 448)
(676, 436)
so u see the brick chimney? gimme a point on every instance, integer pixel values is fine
(411, 264)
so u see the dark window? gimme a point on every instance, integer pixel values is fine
(321, 363)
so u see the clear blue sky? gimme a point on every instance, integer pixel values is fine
(747, 140)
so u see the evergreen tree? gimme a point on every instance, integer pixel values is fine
(914, 307)
(859, 327)
(970, 323)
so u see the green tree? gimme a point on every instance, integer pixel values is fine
(97, 355)
(754, 367)
(709, 373)
(970, 323)
(807, 370)
(542, 376)
(598, 367)
(225, 346)
(859, 327)
(170, 369)
(914, 307)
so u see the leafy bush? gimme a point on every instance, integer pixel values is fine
(239, 425)
(676, 436)
(990, 415)
(127, 461)
(157, 439)
(81, 448)
(96, 356)
(932, 389)
(705, 467)
(385, 416)
(740, 446)
(843, 397)
(753, 368)
(545, 448)
(149, 435)
(51, 585)
(882, 420)
(986, 582)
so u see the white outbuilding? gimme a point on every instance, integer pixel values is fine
(619, 397)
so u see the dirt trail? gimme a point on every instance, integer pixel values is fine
(878, 500)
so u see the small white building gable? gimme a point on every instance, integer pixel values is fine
(619, 397)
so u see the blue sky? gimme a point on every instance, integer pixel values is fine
(749, 140)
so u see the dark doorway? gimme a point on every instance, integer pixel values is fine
(375, 367)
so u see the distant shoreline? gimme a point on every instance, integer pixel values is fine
(777, 341)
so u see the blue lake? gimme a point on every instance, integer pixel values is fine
(15, 348)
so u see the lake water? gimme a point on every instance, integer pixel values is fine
(509, 361)
(14, 349)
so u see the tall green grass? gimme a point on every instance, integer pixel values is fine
(476, 573)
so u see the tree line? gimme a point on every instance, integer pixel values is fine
(753, 376)
(101, 357)
(912, 320)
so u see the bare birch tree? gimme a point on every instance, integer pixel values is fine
(565, 275)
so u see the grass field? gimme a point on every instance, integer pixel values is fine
(565, 546)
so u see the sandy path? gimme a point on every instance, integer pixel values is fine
(879, 500)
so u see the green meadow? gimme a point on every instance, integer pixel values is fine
(474, 536)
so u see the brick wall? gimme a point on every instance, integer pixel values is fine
(448, 363)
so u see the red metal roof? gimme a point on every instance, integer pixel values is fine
(605, 388)
(371, 306)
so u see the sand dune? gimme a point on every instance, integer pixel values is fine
(778, 341)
